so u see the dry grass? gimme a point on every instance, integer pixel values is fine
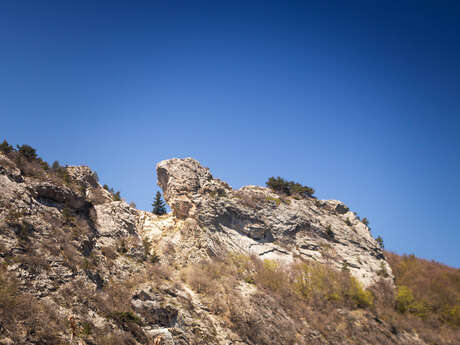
(286, 295)
(333, 302)
(250, 199)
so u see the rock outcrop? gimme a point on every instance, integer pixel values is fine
(255, 220)
(91, 270)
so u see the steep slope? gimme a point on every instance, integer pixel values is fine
(78, 267)
(255, 220)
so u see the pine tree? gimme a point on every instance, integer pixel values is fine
(5, 147)
(27, 151)
(158, 205)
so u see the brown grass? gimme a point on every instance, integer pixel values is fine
(285, 295)
(333, 302)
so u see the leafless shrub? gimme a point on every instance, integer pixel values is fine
(250, 199)
(24, 317)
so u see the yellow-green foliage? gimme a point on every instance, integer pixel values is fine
(277, 201)
(271, 275)
(243, 267)
(404, 299)
(361, 297)
(315, 282)
(405, 302)
(454, 315)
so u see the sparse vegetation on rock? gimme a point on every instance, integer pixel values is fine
(282, 186)
(232, 267)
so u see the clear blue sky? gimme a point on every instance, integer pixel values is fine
(359, 100)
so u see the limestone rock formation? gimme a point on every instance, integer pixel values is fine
(77, 267)
(255, 220)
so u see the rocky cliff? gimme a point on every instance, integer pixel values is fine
(78, 267)
(255, 220)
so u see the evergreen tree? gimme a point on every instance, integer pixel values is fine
(116, 196)
(27, 151)
(5, 147)
(282, 186)
(379, 240)
(158, 205)
(56, 166)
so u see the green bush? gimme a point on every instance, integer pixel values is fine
(282, 186)
(117, 196)
(404, 299)
(124, 317)
(277, 201)
(27, 151)
(361, 297)
(5, 147)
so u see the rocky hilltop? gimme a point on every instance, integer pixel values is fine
(256, 221)
(80, 267)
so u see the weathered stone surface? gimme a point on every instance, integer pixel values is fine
(88, 179)
(256, 220)
(182, 180)
(69, 245)
(9, 169)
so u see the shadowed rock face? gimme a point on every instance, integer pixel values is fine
(257, 221)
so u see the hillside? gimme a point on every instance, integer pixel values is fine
(247, 266)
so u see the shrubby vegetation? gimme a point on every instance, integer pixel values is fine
(39, 320)
(426, 298)
(5, 147)
(426, 289)
(31, 165)
(365, 221)
(116, 195)
(302, 290)
(27, 151)
(282, 186)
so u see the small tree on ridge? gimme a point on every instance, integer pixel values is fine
(158, 205)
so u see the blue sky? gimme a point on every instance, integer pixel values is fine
(358, 100)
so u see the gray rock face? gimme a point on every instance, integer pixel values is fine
(183, 181)
(255, 220)
(87, 258)
(88, 180)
